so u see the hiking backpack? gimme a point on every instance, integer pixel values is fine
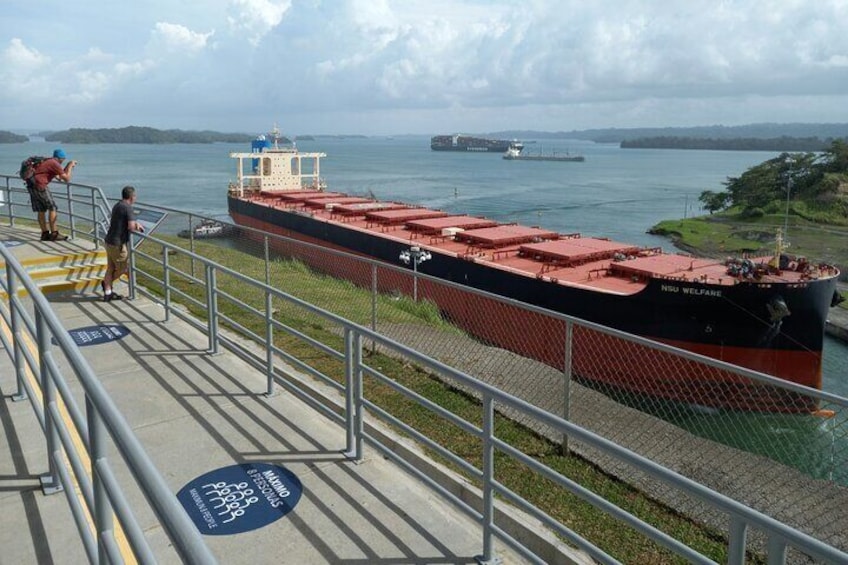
(28, 166)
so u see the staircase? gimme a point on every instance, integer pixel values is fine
(69, 267)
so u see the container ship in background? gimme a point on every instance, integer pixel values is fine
(767, 314)
(468, 143)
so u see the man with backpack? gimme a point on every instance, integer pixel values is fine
(39, 194)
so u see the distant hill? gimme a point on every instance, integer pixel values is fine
(9, 137)
(751, 131)
(136, 134)
(806, 144)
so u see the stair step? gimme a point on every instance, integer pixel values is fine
(62, 273)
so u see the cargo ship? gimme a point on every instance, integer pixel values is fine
(468, 143)
(514, 153)
(764, 313)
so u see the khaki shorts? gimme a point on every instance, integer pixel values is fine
(118, 256)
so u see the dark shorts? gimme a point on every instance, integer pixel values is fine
(41, 200)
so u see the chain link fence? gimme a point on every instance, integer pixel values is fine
(791, 466)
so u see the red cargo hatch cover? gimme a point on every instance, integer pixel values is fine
(404, 215)
(501, 236)
(576, 250)
(436, 225)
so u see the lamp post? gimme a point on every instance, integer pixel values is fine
(416, 256)
(789, 162)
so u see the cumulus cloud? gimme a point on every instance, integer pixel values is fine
(175, 37)
(19, 56)
(24, 71)
(458, 60)
(255, 18)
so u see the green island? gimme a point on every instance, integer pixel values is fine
(9, 137)
(137, 134)
(803, 194)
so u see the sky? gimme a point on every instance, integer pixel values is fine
(391, 67)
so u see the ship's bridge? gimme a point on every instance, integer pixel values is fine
(277, 170)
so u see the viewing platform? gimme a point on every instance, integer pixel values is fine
(195, 413)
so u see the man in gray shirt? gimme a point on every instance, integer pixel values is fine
(117, 242)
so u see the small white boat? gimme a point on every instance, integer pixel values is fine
(208, 229)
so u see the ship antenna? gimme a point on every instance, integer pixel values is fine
(275, 133)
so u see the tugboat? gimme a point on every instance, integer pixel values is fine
(207, 229)
(764, 313)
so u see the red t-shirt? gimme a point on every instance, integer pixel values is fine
(46, 171)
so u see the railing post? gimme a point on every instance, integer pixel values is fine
(102, 506)
(212, 308)
(7, 192)
(267, 262)
(131, 273)
(11, 287)
(50, 482)
(359, 418)
(373, 306)
(488, 477)
(95, 226)
(566, 379)
(776, 548)
(348, 392)
(166, 281)
(71, 219)
(269, 343)
(736, 548)
(191, 245)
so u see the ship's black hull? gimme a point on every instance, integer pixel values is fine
(731, 323)
(471, 148)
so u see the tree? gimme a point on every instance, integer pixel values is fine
(714, 201)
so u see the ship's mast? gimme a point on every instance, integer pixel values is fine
(275, 134)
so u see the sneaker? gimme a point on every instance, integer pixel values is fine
(113, 296)
(56, 236)
(45, 236)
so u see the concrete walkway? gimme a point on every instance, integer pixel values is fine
(195, 413)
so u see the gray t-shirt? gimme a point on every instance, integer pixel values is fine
(119, 232)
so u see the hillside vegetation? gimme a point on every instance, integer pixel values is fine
(783, 143)
(807, 193)
(9, 137)
(136, 134)
(717, 132)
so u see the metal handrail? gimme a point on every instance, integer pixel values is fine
(781, 536)
(93, 199)
(102, 494)
(741, 518)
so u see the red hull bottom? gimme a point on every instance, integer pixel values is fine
(598, 358)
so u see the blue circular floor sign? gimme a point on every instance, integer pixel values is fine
(95, 335)
(240, 498)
